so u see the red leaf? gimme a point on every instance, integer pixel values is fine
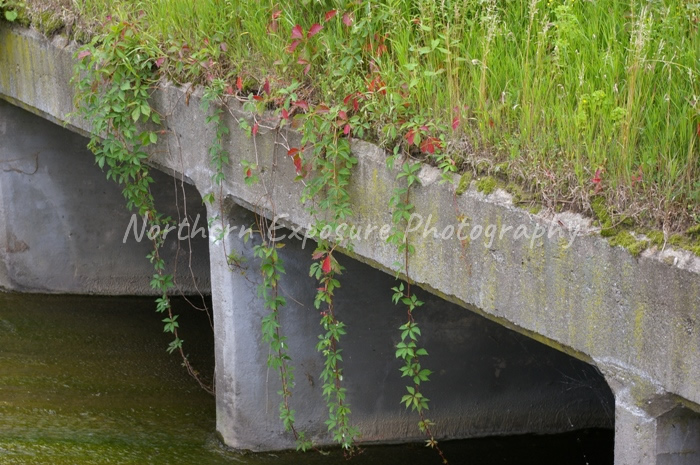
(346, 129)
(223, 46)
(297, 32)
(352, 98)
(698, 130)
(83, 54)
(315, 29)
(255, 129)
(316, 255)
(455, 123)
(293, 46)
(430, 144)
(342, 115)
(347, 19)
(322, 109)
(596, 180)
(301, 104)
(326, 267)
(285, 113)
(276, 14)
(239, 83)
(273, 26)
(257, 98)
(307, 68)
(248, 173)
(410, 135)
(297, 163)
(330, 14)
(159, 61)
(229, 90)
(293, 151)
(639, 177)
(266, 87)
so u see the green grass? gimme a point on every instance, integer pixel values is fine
(557, 89)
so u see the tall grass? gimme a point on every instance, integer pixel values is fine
(566, 88)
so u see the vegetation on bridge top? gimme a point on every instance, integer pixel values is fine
(574, 100)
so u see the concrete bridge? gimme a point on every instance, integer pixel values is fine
(534, 323)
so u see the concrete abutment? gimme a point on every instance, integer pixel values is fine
(652, 427)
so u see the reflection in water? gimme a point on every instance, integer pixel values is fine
(87, 380)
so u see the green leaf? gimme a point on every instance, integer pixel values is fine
(11, 15)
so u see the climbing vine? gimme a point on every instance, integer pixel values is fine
(115, 76)
(408, 350)
(332, 161)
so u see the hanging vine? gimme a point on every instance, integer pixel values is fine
(115, 75)
(408, 350)
(332, 162)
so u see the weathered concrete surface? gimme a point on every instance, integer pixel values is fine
(487, 380)
(635, 319)
(62, 223)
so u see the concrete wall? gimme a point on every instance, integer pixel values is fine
(487, 380)
(62, 223)
(636, 319)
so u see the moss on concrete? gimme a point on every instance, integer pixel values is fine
(655, 237)
(502, 170)
(516, 191)
(628, 241)
(693, 231)
(486, 185)
(686, 243)
(600, 210)
(48, 23)
(535, 209)
(464, 182)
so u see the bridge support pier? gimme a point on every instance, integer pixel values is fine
(652, 427)
(242, 418)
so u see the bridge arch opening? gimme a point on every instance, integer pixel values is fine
(65, 230)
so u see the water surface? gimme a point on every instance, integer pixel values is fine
(87, 380)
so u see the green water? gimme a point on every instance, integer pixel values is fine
(87, 380)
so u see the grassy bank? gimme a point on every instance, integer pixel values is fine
(574, 100)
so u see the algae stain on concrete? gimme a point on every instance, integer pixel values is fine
(594, 307)
(638, 331)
